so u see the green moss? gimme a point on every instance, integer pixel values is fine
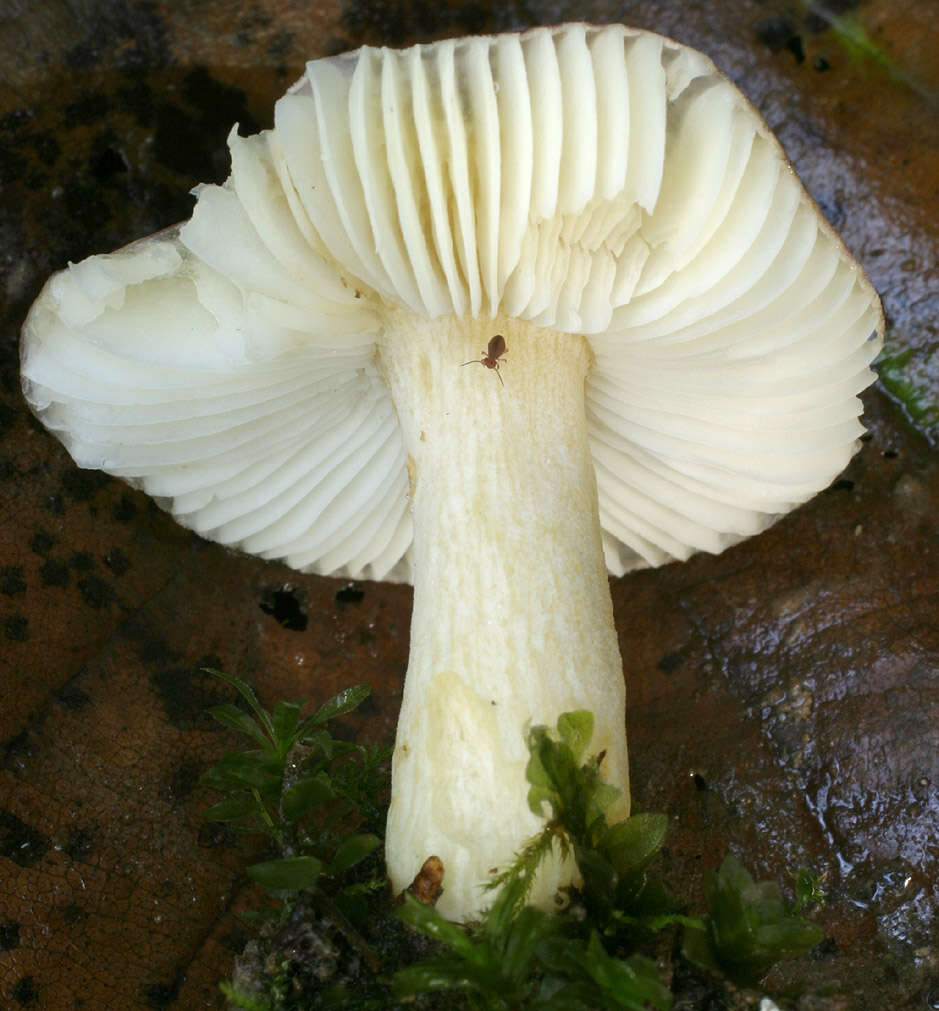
(334, 938)
(911, 377)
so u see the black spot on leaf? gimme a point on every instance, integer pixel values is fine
(827, 949)
(160, 995)
(185, 778)
(669, 662)
(41, 542)
(779, 33)
(15, 750)
(107, 163)
(79, 843)
(117, 561)
(286, 605)
(82, 561)
(190, 135)
(26, 993)
(137, 98)
(186, 693)
(73, 914)
(12, 582)
(95, 591)
(71, 696)
(19, 842)
(53, 573)
(87, 109)
(9, 935)
(124, 510)
(46, 147)
(16, 627)
(82, 484)
(350, 594)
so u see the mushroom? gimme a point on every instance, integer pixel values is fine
(683, 342)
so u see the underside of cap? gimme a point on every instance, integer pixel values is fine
(155, 366)
(599, 181)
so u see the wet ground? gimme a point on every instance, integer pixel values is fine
(784, 697)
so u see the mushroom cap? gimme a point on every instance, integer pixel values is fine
(602, 181)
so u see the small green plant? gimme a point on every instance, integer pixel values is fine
(522, 957)
(493, 962)
(612, 858)
(749, 926)
(238, 998)
(519, 957)
(302, 788)
(526, 958)
(318, 801)
(809, 891)
(905, 375)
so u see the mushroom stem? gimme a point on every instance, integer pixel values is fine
(513, 622)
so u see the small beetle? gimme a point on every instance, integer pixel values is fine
(490, 357)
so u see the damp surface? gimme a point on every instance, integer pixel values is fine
(783, 698)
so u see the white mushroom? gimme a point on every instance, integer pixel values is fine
(686, 342)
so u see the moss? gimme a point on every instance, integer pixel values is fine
(339, 940)
(911, 377)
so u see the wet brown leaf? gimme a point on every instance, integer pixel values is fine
(783, 697)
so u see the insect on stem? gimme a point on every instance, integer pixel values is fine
(490, 357)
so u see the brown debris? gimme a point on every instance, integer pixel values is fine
(427, 885)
